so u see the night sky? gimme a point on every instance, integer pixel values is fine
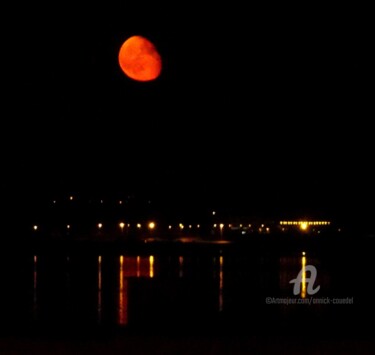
(258, 109)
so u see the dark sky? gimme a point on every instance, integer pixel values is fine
(261, 108)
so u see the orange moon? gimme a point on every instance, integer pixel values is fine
(139, 59)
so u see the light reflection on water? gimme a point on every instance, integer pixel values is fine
(123, 296)
(221, 283)
(35, 287)
(180, 266)
(303, 281)
(99, 289)
(131, 267)
(126, 289)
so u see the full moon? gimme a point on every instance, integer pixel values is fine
(139, 59)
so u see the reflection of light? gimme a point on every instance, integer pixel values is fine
(180, 266)
(99, 272)
(35, 300)
(99, 288)
(303, 282)
(138, 266)
(123, 288)
(221, 282)
(151, 259)
(151, 225)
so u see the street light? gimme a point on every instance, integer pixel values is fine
(151, 225)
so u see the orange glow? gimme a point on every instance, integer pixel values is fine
(151, 266)
(123, 296)
(221, 283)
(151, 225)
(303, 283)
(139, 59)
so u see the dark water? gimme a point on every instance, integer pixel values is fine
(211, 289)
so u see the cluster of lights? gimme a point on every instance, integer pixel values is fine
(304, 225)
(101, 201)
(308, 223)
(152, 225)
(122, 225)
(181, 226)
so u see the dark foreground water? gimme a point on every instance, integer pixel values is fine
(187, 298)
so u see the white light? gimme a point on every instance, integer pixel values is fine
(100, 225)
(35, 227)
(151, 225)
